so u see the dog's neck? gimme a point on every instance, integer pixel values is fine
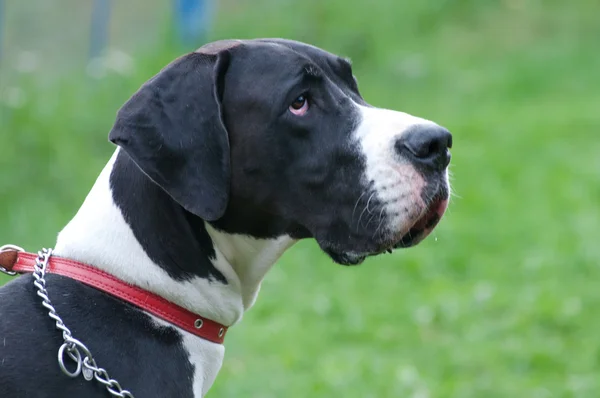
(102, 235)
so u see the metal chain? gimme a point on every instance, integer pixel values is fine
(85, 364)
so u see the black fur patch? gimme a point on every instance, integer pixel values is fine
(142, 357)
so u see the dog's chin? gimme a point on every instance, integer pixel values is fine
(346, 258)
(416, 233)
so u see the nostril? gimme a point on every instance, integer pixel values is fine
(434, 147)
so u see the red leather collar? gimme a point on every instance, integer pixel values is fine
(14, 261)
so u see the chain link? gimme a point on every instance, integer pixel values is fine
(75, 349)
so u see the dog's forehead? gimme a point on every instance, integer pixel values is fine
(315, 54)
(280, 57)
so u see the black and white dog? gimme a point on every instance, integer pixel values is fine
(225, 158)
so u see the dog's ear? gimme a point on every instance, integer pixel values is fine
(172, 128)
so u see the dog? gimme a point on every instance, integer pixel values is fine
(224, 159)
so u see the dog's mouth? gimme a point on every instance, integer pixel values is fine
(421, 227)
(424, 225)
(418, 231)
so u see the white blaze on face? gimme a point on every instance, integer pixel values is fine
(395, 181)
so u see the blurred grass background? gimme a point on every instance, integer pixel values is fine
(503, 300)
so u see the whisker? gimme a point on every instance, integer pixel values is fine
(355, 207)
(365, 209)
(381, 218)
(371, 219)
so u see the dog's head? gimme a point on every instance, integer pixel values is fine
(271, 137)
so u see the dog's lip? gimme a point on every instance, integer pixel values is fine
(425, 224)
(432, 215)
(421, 227)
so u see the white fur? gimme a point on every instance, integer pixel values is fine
(250, 258)
(397, 183)
(98, 235)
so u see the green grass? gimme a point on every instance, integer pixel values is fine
(502, 301)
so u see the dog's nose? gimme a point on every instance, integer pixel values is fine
(426, 145)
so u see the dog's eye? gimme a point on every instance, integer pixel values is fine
(300, 105)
